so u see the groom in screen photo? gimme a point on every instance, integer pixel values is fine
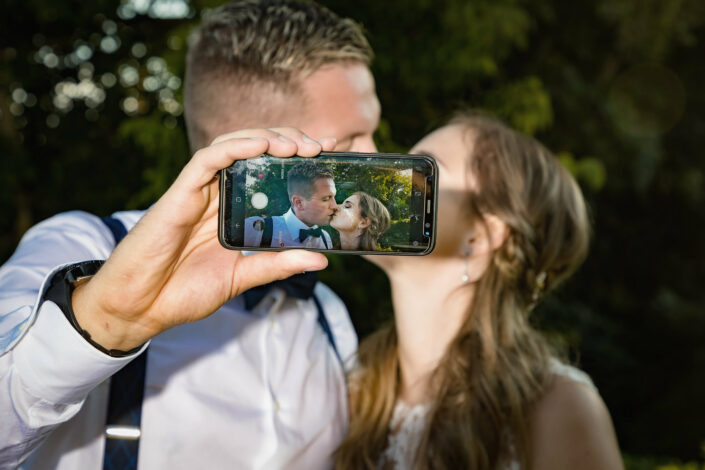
(311, 192)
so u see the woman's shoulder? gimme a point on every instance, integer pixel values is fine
(570, 395)
(562, 371)
(570, 426)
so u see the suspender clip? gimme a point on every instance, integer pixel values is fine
(129, 433)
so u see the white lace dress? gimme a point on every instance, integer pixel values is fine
(408, 424)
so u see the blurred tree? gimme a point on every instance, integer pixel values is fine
(90, 107)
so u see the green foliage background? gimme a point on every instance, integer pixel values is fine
(90, 118)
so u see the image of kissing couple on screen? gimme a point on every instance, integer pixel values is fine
(313, 218)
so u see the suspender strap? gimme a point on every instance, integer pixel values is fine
(325, 326)
(122, 430)
(116, 228)
(268, 232)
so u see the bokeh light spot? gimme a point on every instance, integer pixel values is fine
(109, 27)
(53, 121)
(130, 105)
(138, 50)
(84, 52)
(19, 95)
(647, 100)
(129, 76)
(108, 80)
(109, 44)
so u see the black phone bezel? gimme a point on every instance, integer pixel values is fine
(429, 206)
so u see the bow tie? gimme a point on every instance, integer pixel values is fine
(299, 286)
(311, 232)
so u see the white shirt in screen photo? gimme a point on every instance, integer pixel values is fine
(286, 231)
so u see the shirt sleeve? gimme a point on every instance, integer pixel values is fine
(46, 368)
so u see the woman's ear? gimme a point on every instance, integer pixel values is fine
(364, 223)
(487, 235)
(498, 231)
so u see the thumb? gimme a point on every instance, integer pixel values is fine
(263, 268)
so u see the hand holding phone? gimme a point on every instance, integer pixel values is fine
(361, 203)
(171, 269)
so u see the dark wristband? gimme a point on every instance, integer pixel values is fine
(60, 288)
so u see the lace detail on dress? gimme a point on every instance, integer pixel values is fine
(405, 432)
(406, 429)
(409, 422)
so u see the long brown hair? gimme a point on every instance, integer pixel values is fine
(372, 209)
(497, 366)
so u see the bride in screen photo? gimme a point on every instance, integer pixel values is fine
(360, 220)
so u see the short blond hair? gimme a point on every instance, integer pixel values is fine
(260, 49)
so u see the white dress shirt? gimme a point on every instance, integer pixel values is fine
(239, 389)
(285, 232)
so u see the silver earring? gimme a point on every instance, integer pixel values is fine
(465, 276)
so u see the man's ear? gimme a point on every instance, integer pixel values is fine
(297, 202)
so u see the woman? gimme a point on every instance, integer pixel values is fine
(360, 220)
(461, 380)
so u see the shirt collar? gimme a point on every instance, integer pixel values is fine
(294, 224)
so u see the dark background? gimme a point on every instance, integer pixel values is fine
(90, 118)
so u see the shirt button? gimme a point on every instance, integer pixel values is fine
(276, 405)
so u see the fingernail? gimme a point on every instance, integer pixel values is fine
(258, 139)
(308, 140)
(285, 139)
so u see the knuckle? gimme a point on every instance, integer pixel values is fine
(199, 154)
(286, 130)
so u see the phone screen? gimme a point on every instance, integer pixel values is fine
(342, 202)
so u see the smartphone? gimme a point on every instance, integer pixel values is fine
(342, 202)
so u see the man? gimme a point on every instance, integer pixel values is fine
(227, 384)
(311, 192)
